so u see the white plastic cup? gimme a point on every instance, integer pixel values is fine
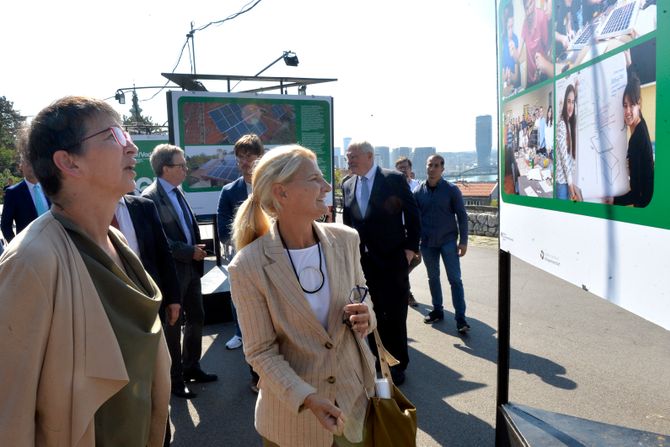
(383, 388)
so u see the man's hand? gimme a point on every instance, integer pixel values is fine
(199, 252)
(329, 416)
(462, 248)
(172, 313)
(410, 255)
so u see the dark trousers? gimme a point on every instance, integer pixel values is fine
(387, 278)
(192, 318)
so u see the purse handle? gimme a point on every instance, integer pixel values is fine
(386, 360)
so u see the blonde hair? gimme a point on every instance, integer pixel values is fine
(254, 216)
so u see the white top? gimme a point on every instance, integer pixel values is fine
(306, 263)
(126, 225)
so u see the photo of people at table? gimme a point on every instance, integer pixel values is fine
(605, 130)
(528, 139)
(585, 29)
(576, 30)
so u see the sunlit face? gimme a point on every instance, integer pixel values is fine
(360, 162)
(105, 164)
(245, 163)
(631, 111)
(570, 107)
(434, 168)
(175, 172)
(404, 168)
(305, 194)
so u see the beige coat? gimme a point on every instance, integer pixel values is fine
(60, 359)
(287, 346)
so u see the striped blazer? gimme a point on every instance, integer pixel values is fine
(287, 346)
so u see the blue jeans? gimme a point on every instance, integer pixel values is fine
(562, 191)
(431, 258)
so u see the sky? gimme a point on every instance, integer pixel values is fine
(409, 73)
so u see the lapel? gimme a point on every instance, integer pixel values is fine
(350, 198)
(377, 187)
(27, 199)
(167, 204)
(335, 254)
(281, 274)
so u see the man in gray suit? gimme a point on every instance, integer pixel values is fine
(181, 229)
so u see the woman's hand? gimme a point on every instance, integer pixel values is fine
(358, 316)
(328, 414)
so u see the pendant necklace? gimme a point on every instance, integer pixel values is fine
(288, 252)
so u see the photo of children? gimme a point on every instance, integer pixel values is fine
(605, 130)
(585, 29)
(528, 139)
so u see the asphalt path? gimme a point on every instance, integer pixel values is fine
(571, 353)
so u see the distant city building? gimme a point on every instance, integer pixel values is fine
(346, 141)
(483, 140)
(337, 151)
(402, 151)
(420, 159)
(382, 156)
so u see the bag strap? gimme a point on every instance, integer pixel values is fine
(386, 360)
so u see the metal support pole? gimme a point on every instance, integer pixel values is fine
(504, 312)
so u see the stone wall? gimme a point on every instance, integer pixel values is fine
(483, 220)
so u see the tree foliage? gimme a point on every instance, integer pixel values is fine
(138, 124)
(11, 122)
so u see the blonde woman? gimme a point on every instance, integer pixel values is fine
(292, 282)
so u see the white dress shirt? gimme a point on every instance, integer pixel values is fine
(126, 225)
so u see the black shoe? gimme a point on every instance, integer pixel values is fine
(398, 377)
(411, 301)
(463, 328)
(199, 376)
(433, 317)
(179, 389)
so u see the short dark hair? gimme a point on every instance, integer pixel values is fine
(61, 126)
(250, 144)
(441, 158)
(402, 160)
(162, 156)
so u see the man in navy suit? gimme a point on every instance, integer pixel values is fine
(375, 201)
(24, 202)
(248, 149)
(188, 252)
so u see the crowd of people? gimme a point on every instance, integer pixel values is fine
(98, 284)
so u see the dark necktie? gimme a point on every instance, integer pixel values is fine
(186, 213)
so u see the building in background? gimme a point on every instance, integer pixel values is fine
(383, 157)
(420, 159)
(398, 152)
(483, 140)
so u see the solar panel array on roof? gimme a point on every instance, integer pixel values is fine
(228, 120)
(221, 170)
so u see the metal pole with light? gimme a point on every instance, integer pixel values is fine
(290, 59)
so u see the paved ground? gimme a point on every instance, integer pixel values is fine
(572, 353)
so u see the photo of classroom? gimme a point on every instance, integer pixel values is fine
(605, 130)
(528, 139)
(585, 29)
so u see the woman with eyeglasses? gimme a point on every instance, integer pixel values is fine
(84, 361)
(297, 284)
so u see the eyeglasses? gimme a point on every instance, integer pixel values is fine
(121, 136)
(246, 157)
(357, 295)
(181, 165)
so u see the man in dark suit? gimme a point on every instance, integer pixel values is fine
(137, 218)
(183, 234)
(24, 202)
(248, 149)
(375, 201)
